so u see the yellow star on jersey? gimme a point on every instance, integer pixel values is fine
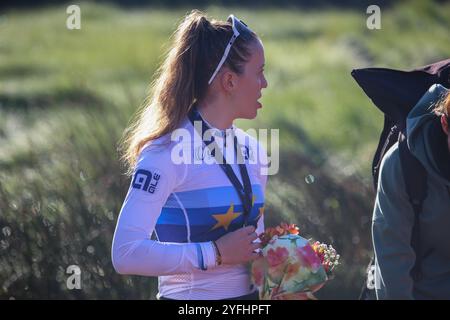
(225, 219)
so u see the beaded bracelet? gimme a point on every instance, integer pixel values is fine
(218, 255)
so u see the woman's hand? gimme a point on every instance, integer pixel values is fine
(238, 247)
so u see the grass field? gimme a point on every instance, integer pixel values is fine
(67, 95)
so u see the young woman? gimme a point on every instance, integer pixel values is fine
(206, 213)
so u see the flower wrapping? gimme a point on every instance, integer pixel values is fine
(290, 267)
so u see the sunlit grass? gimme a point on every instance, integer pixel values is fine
(66, 97)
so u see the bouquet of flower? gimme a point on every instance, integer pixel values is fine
(291, 267)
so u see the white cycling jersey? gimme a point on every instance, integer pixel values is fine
(186, 206)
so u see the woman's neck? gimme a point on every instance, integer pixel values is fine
(216, 115)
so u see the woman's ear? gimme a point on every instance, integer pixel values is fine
(444, 123)
(229, 81)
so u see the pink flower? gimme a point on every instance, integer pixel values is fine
(308, 257)
(277, 256)
(257, 272)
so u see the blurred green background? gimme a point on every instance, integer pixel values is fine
(66, 97)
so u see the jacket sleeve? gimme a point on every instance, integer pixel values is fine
(392, 224)
(133, 250)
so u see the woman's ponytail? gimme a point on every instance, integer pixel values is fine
(182, 79)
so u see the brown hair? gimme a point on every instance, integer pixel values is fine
(443, 107)
(182, 79)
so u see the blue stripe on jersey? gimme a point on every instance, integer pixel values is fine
(198, 216)
(202, 233)
(210, 197)
(209, 214)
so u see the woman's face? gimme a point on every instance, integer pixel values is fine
(250, 84)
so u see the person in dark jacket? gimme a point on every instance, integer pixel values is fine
(393, 217)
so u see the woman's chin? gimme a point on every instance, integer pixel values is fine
(249, 114)
(253, 116)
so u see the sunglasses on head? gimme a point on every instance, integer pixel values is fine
(238, 28)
